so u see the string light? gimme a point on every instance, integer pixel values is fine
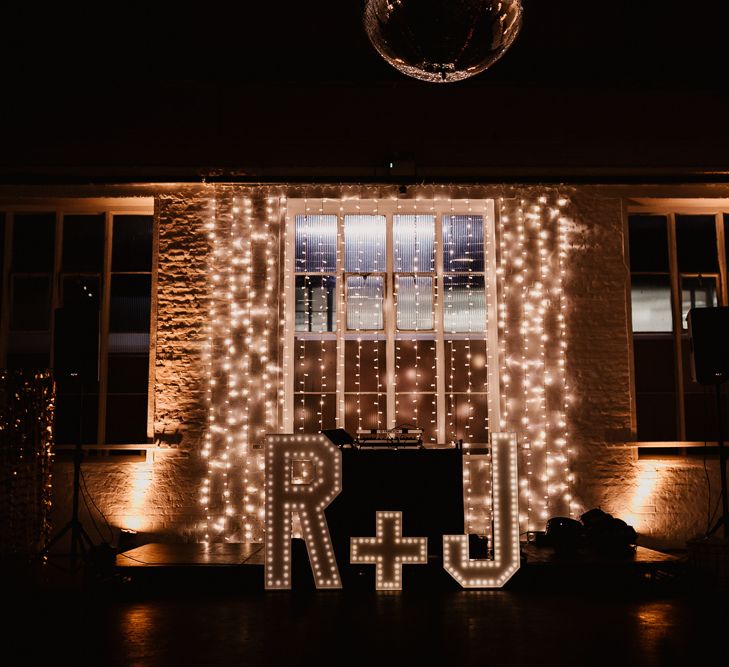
(243, 345)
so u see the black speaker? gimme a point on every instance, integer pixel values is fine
(76, 344)
(709, 338)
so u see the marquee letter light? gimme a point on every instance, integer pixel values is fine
(492, 573)
(389, 551)
(303, 475)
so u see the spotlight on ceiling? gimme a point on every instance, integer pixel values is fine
(442, 40)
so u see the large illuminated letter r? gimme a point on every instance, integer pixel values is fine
(303, 475)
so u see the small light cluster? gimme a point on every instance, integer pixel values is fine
(389, 551)
(303, 476)
(493, 573)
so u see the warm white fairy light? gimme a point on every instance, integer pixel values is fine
(303, 476)
(212, 428)
(495, 572)
(244, 395)
(241, 358)
(389, 551)
(566, 451)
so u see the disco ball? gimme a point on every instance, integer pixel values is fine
(442, 40)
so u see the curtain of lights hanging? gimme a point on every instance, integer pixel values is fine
(26, 438)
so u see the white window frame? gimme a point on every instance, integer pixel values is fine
(670, 208)
(389, 208)
(108, 207)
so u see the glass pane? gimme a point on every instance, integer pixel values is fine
(365, 295)
(648, 243)
(364, 243)
(31, 303)
(315, 365)
(315, 303)
(29, 349)
(364, 366)
(417, 410)
(464, 304)
(33, 242)
(696, 244)
(364, 411)
(465, 365)
(463, 243)
(132, 243)
(651, 299)
(414, 366)
(130, 303)
(467, 417)
(414, 302)
(697, 292)
(316, 243)
(314, 412)
(414, 237)
(699, 402)
(655, 387)
(83, 242)
(81, 292)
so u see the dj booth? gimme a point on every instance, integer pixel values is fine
(425, 484)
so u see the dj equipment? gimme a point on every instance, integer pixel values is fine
(400, 436)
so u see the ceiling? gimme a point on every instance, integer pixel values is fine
(627, 42)
(587, 85)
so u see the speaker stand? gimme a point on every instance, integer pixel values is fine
(81, 543)
(724, 518)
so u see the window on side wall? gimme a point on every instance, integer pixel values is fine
(77, 282)
(678, 261)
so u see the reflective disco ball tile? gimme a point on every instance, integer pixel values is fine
(442, 40)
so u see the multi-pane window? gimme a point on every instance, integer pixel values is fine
(77, 283)
(678, 261)
(390, 321)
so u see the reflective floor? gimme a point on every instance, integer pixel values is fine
(345, 628)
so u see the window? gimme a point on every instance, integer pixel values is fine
(389, 324)
(79, 280)
(678, 261)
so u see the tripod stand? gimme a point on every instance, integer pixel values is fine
(724, 518)
(81, 543)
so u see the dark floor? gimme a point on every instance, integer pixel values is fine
(113, 626)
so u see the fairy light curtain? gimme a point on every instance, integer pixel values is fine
(386, 300)
(241, 357)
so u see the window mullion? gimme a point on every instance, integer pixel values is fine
(289, 324)
(492, 331)
(677, 325)
(341, 321)
(5, 286)
(104, 329)
(389, 322)
(440, 387)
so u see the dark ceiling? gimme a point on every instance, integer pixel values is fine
(590, 89)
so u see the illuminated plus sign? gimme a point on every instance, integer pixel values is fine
(389, 551)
